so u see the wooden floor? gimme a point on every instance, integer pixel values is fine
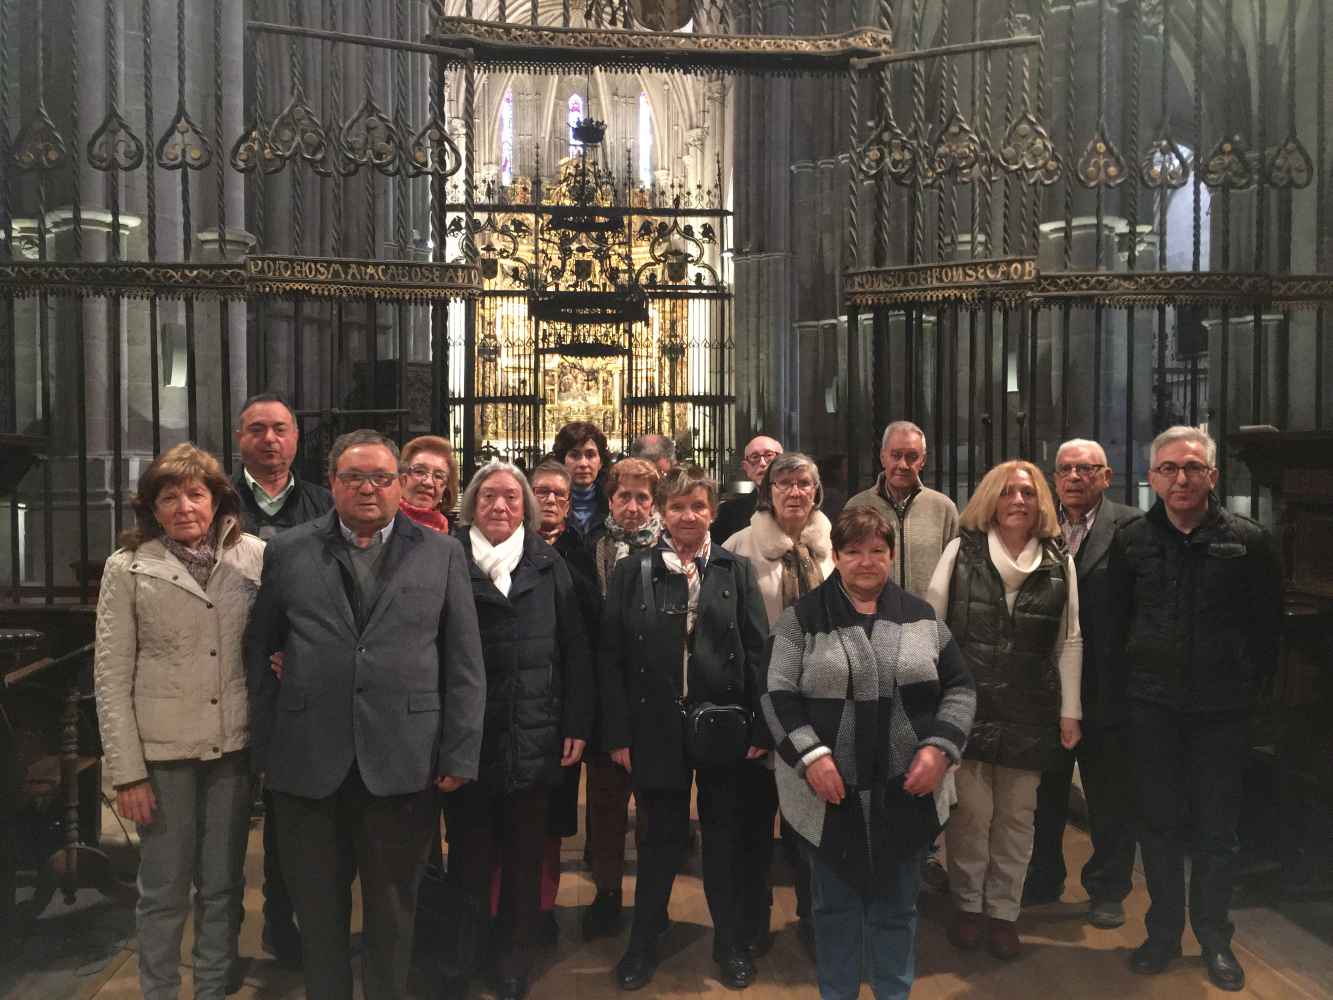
(1063, 956)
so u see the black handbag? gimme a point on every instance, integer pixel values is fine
(714, 735)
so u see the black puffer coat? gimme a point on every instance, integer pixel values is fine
(539, 677)
(1010, 655)
(1198, 616)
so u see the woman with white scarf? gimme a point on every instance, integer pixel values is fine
(539, 698)
(1008, 590)
(684, 628)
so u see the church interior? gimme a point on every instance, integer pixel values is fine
(1012, 222)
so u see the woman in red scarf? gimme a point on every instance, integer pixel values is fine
(430, 481)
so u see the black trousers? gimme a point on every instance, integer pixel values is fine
(485, 827)
(324, 843)
(1107, 770)
(737, 845)
(277, 901)
(1189, 770)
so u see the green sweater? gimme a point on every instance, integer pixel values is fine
(929, 523)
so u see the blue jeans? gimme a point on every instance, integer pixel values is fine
(877, 931)
(197, 839)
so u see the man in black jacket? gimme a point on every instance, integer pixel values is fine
(1197, 594)
(274, 499)
(1089, 521)
(735, 514)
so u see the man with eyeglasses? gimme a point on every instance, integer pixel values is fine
(380, 702)
(1197, 606)
(1089, 519)
(735, 514)
(925, 520)
(429, 480)
(273, 499)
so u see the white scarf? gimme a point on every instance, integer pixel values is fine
(1013, 572)
(688, 568)
(497, 561)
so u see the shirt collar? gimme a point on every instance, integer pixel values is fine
(262, 493)
(349, 536)
(1088, 518)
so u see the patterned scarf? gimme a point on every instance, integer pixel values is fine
(199, 560)
(691, 569)
(800, 574)
(620, 542)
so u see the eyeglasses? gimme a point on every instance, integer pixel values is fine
(1082, 468)
(550, 493)
(354, 480)
(422, 472)
(1192, 470)
(761, 456)
(801, 486)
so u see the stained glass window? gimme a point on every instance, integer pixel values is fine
(507, 138)
(574, 114)
(645, 141)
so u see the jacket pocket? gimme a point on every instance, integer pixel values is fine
(423, 701)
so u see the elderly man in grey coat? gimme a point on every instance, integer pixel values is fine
(380, 701)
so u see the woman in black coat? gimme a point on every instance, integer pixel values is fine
(696, 633)
(539, 698)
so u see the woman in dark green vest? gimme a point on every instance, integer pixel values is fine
(1008, 591)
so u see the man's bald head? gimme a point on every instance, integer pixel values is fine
(758, 453)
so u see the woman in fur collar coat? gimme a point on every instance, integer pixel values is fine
(787, 541)
(788, 544)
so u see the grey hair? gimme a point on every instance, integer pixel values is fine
(553, 468)
(651, 447)
(1181, 432)
(789, 461)
(354, 439)
(905, 426)
(467, 511)
(1083, 443)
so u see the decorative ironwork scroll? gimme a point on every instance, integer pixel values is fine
(525, 48)
(131, 279)
(249, 277)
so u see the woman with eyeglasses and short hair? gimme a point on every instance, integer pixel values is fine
(1008, 590)
(430, 482)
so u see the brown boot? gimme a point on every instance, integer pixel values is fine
(966, 930)
(1004, 941)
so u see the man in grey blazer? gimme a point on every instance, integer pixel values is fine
(380, 701)
(1089, 521)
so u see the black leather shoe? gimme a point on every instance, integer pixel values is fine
(760, 946)
(602, 918)
(283, 942)
(805, 930)
(736, 969)
(511, 988)
(635, 970)
(1152, 958)
(1224, 970)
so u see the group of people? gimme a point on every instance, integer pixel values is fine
(384, 649)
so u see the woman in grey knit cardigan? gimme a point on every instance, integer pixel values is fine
(869, 704)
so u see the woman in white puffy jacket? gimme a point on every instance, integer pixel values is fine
(172, 704)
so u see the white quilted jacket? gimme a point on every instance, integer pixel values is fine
(168, 670)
